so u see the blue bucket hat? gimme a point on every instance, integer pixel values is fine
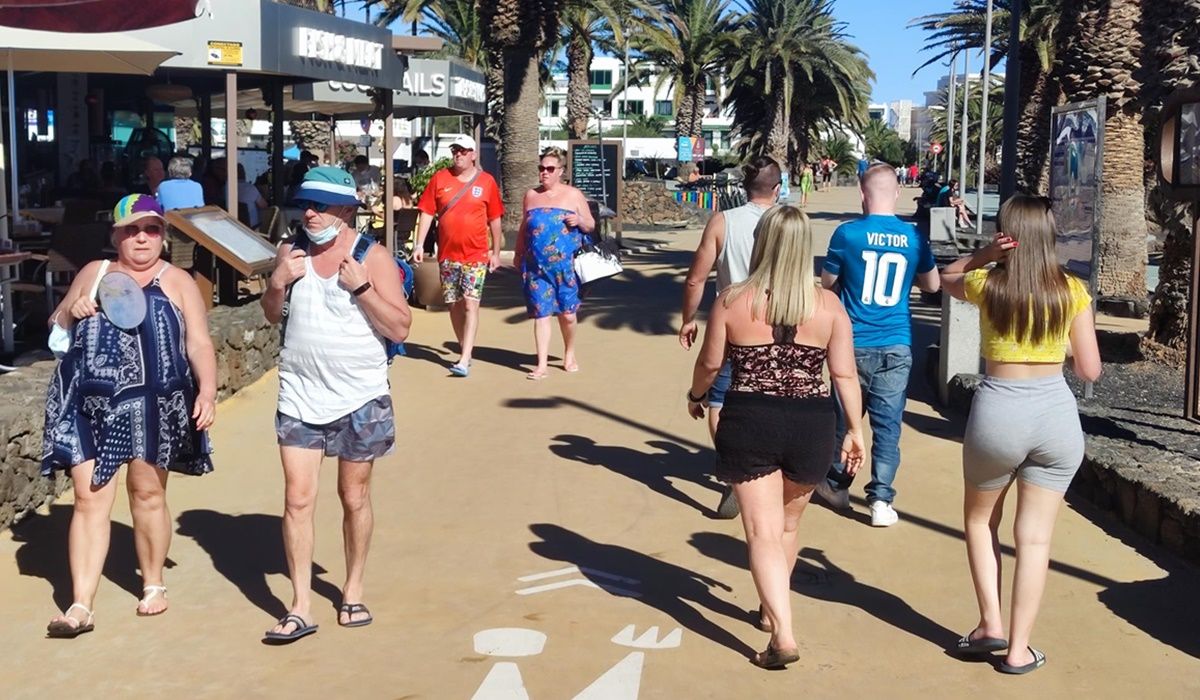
(327, 185)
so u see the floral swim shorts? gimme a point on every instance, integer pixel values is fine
(462, 280)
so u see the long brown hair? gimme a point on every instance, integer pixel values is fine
(1027, 297)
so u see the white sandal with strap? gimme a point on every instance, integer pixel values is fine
(62, 629)
(149, 593)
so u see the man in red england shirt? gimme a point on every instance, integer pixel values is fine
(466, 202)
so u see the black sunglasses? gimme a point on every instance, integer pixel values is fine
(547, 168)
(318, 207)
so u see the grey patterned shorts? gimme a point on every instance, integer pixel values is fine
(365, 433)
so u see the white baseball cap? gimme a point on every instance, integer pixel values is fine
(464, 142)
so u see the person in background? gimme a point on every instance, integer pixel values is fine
(466, 202)
(726, 244)
(873, 262)
(863, 164)
(555, 215)
(421, 160)
(806, 184)
(84, 180)
(1034, 319)
(779, 330)
(249, 195)
(153, 173)
(365, 175)
(179, 190)
(142, 397)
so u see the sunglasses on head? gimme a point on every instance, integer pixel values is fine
(153, 229)
(318, 207)
(547, 168)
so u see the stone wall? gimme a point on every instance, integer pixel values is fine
(246, 348)
(649, 202)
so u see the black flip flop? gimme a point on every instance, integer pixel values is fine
(775, 658)
(1039, 660)
(303, 629)
(352, 609)
(973, 647)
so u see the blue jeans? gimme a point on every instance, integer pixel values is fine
(883, 375)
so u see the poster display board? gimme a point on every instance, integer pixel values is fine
(598, 177)
(213, 229)
(1076, 162)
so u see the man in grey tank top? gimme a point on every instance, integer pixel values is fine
(726, 243)
(334, 399)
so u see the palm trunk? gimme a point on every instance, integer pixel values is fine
(777, 129)
(494, 87)
(579, 89)
(1039, 92)
(519, 131)
(1169, 308)
(683, 116)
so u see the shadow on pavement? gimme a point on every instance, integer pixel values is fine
(246, 549)
(817, 577)
(664, 586)
(1164, 608)
(653, 469)
(560, 401)
(43, 553)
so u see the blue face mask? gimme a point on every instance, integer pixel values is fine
(323, 236)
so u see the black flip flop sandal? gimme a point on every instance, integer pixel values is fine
(352, 609)
(60, 629)
(1039, 660)
(984, 645)
(303, 629)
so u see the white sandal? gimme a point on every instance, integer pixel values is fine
(149, 593)
(61, 629)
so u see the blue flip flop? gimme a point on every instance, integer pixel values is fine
(459, 370)
(303, 629)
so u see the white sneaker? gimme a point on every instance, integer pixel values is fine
(883, 514)
(837, 498)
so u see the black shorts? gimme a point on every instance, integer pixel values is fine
(758, 434)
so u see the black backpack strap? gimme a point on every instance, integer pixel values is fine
(299, 242)
(362, 245)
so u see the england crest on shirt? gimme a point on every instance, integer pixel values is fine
(476, 191)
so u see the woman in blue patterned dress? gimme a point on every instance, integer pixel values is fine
(142, 397)
(555, 217)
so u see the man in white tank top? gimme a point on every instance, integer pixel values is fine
(334, 397)
(727, 242)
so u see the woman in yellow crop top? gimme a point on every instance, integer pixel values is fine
(1024, 422)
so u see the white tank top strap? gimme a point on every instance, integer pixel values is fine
(158, 275)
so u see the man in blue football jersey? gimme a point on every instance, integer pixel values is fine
(872, 262)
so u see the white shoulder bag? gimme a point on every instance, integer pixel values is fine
(59, 341)
(593, 262)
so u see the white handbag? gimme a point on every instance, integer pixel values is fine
(594, 263)
(59, 341)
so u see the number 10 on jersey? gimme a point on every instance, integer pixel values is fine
(880, 269)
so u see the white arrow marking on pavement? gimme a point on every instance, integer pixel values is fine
(577, 582)
(509, 641)
(503, 682)
(576, 570)
(649, 639)
(621, 682)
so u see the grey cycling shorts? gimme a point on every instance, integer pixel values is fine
(1028, 428)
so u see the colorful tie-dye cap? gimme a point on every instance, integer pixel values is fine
(134, 207)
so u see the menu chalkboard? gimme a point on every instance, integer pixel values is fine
(584, 163)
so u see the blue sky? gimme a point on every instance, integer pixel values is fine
(879, 29)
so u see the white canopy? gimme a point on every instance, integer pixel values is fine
(31, 50)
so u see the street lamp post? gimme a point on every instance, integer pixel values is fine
(962, 156)
(950, 120)
(986, 75)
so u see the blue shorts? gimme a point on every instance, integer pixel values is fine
(720, 385)
(362, 435)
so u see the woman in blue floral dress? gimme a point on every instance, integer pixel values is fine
(555, 218)
(141, 396)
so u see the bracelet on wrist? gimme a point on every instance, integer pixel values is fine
(693, 399)
(359, 292)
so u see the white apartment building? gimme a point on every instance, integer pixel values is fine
(616, 106)
(900, 118)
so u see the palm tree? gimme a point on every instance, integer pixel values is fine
(586, 25)
(1170, 57)
(786, 42)
(1100, 57)
(827, 77)
(687, 47)
(973, 95)
(521, 31)
(964, 28)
